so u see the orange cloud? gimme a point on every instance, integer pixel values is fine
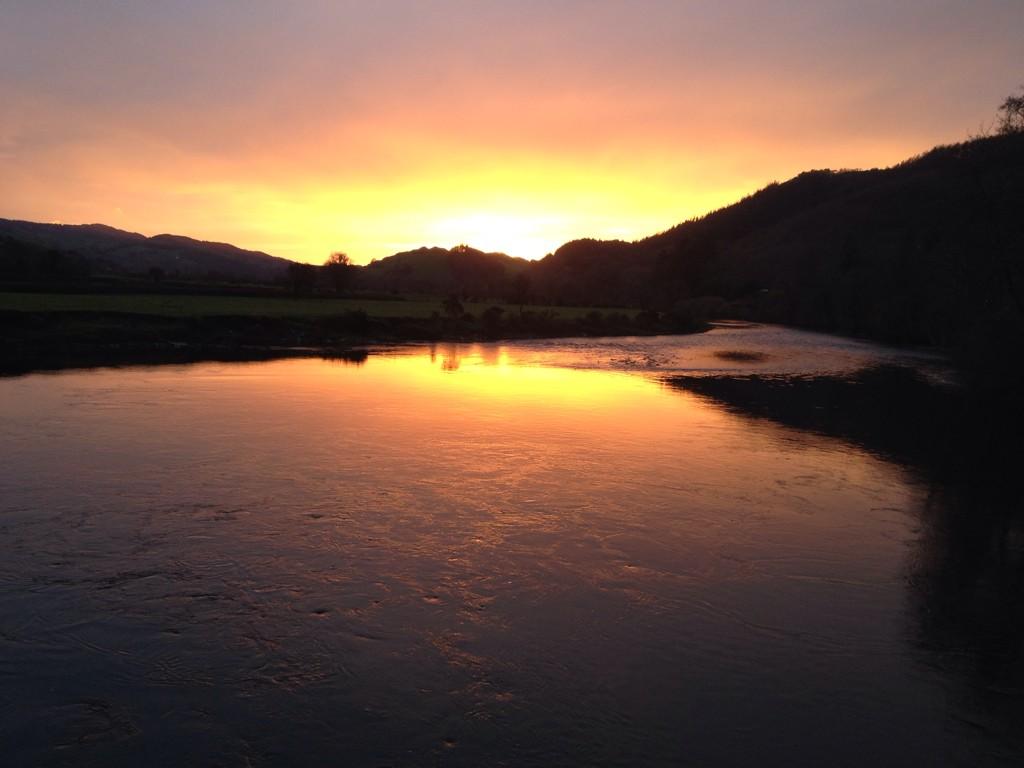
(507, 126)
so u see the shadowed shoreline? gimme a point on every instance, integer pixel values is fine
(54, 340)
(965, 577)
(944, 432)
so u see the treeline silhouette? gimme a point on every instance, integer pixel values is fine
(926, 252)
(114, 252)
(31, 263)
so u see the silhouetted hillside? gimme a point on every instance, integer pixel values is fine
(929, 251)
(109, 248)
(24, 261)
(439, 271)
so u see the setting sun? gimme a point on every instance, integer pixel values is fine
(375, 131)
(515, 235)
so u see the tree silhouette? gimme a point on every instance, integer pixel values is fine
(1011, 114)
(491, 321)
(452, 306)
(302, 278)
(519, 291)
(340, 271)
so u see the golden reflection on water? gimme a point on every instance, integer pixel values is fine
(507, 540)
(491, 395)
(589, 439)
(491, 371)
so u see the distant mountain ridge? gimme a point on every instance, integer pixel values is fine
(930, 251)
(132, 252)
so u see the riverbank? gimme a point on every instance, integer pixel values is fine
(51, 331)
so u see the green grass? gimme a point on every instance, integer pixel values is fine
(245, 306)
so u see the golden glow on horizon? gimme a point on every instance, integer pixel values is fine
(522, 211)
(505, 126)
(521, 235)
(525, 208)
(526, 205)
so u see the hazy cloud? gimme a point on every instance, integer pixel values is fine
(321, 118)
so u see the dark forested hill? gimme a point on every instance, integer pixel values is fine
(106, 247)
(929, 251)
(441, 271)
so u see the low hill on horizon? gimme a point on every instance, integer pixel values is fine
(443, 271)
(930, 251)
(106, 247)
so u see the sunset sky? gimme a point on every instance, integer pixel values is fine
(301, 128)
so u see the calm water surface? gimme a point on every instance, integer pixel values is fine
(534, 554)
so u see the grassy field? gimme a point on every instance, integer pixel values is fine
(247, 306)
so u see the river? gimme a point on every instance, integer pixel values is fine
(715, 550)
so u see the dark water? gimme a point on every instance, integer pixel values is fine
(558, 553)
